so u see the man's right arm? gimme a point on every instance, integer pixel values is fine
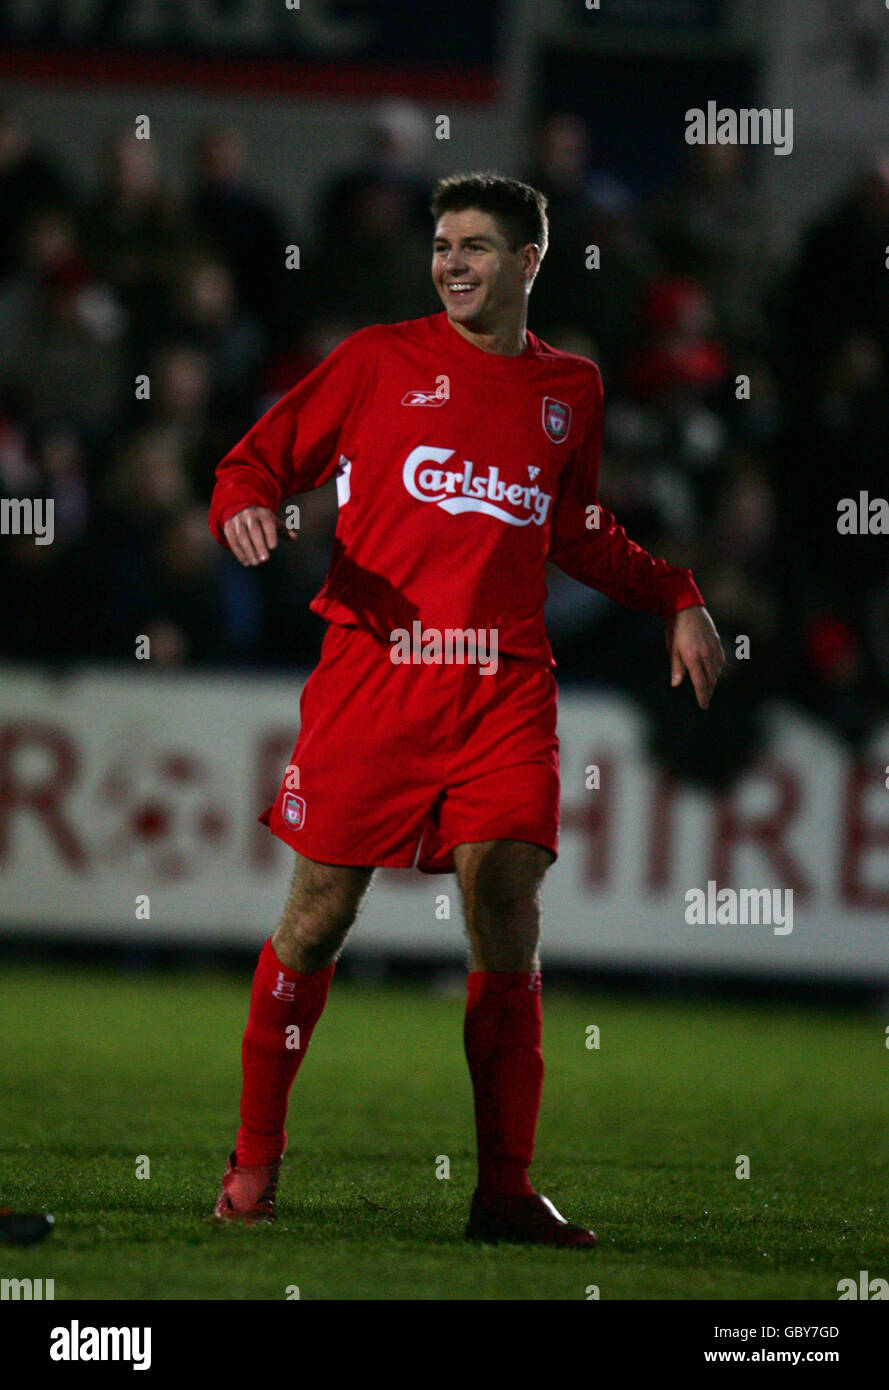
(291, 449)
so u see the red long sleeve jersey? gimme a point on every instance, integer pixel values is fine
(459, 473)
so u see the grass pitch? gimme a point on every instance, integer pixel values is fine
(640, 1137)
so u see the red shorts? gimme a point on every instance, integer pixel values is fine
(397, 764)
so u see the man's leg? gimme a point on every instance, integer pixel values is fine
(289, 992)
(500, 883)
(321, 907)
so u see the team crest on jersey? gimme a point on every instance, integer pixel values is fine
(294, 811)
(556, 419)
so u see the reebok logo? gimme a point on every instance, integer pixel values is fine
(441, 394)
(460, 491)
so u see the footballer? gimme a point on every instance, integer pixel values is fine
(466, 454)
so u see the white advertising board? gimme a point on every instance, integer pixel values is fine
(117, 787)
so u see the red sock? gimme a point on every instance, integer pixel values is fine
(502, 1035)
(281, 999)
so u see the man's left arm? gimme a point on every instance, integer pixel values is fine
(589, 544)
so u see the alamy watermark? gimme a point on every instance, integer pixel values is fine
(863, 1287)
(731, 907)
(450, 646)
(29, 1290)
(76, 1343)
(26, 516)
(748, 126)
(863, 516)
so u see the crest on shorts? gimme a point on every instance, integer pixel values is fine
(556, 419)
(293, 810)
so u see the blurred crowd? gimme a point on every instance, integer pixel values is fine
(744, 398)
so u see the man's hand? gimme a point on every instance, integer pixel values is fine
(694, 646)
(253, 534)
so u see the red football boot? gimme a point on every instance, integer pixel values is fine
(248, 1194)
(524, 1220)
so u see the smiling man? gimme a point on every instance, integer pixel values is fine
(466, 454)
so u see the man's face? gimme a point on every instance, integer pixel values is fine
(479, 279)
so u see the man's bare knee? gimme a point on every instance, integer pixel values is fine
(501, 875)
(321, 907)
(500, 883)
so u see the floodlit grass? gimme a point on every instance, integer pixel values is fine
(639, 1138)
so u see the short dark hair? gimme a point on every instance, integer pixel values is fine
(519, 208)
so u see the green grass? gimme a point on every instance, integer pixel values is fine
(639, 1138)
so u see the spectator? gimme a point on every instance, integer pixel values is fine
(377, 268)
(394, 163)
(68, 329)
(586, 209)
(206, 314)
(179, 411)
(374, 229)
(246, 231)
(713, 228)
(30, 182)
(838, 285)
(48, 613)
(138, 233)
